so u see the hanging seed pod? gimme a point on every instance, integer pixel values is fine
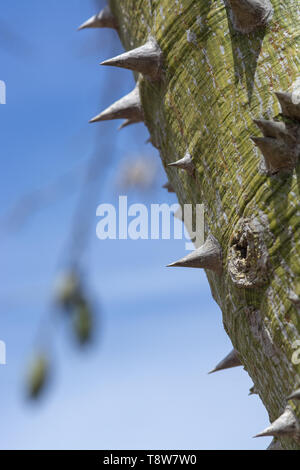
(83, 323)
(37, 377)
(68, 290)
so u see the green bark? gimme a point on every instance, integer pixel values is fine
(216, 81)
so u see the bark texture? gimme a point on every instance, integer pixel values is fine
(216, 81)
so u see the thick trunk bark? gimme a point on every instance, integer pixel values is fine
(216, 80)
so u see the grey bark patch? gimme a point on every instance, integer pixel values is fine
(248, 254)
(275, 445)
(262, 334)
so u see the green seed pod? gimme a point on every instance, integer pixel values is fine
(68, 290)
(37, 377)
(83, 323)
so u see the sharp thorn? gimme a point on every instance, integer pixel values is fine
(286, 425)
(128, 107)
(127, 122)
(104, 19)
(208, 256)
(146, 60)
(278, 130)
(295, 395)
(252, 391)
(230, 361)
(290, 105)
(185, 163)
(271, 128)
(278, 155)
(169, 187)
(248, 15)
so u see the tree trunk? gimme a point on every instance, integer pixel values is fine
(218, 77)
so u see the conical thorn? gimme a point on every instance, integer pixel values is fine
(271, 128)
(278, 155)
(230, 361)
(248, 15)
(295, 395)
(128, 122)
(146, 60)
(185, 163)
(290, 104)
(104, 19)
(286, 425)
(252, 391)
(208, 256)
(128, 107)
(169, 187)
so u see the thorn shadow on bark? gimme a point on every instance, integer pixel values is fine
(245, 45)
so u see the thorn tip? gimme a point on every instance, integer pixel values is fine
(146, 59)
(207, 256)
(129, 107)
(185, 163)
(104, 19)
(230, 361)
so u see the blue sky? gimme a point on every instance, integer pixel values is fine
(144, 382)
